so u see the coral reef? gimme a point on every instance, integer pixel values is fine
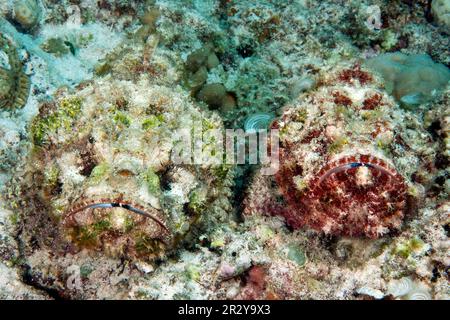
(215, 95)
(70, 69)
(100, 207)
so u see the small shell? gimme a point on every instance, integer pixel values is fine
(419, 294)
(400, 287)
(259, 121)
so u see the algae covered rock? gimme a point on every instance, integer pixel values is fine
(204, 56)
(56, 46)
(27, 13)
(213, 94)
(411, 79)
(441, 11)
(216, 96)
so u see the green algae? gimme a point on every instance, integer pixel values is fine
(56, 46)
(99, 172)
(192, 272)
(88, 236)
(197, 201)
(51, 176)
(409, 247)
(152, 122)
(153, 182)
(122, 118)
(66, 112)
(338, 144)
(146, 245)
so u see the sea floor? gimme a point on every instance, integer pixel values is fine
(104, 195)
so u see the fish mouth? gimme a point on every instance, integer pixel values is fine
(140, 210)
(110, 205)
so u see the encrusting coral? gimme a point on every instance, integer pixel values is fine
(412, 80)
(441, 12)
(14, 83)
(215, 95)
(27, 13)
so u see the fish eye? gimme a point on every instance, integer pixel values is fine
(125, 173)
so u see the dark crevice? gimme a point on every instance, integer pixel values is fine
(427, 12)
(28, 279)
(26, 273)
(165, 179)
(242, 181)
